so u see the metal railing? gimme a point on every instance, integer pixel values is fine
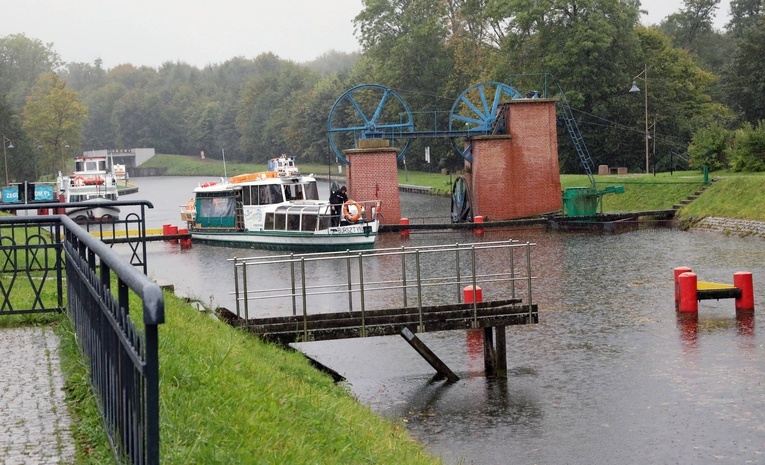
(130, 227)
(122, 351)
(380, 279)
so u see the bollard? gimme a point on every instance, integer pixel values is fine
(404, 222)
(467, 294)
(186, 241)
(166, 230)
(478, 229)
(678, 271)
(173, 230)
(743, 281)
(687, 283)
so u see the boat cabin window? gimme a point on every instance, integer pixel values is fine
(262, 195)
(90, 165)
(297, 218)
(216, 209)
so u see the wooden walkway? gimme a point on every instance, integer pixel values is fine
(344, 325)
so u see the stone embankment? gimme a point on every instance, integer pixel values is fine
(731, 226)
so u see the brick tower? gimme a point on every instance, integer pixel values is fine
(516, 174)
(373, 174)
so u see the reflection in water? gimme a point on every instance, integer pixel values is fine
(611, 374)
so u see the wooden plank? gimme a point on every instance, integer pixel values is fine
(285, 337)
(373, 319)
(385, 312)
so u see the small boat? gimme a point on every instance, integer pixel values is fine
(93, 185)
(279, 210)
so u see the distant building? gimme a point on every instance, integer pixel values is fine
(131, 158)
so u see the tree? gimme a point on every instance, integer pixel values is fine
(54, 116)
(744, 14)
(22, 60)
(745, 79)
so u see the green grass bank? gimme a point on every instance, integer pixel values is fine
(732, 195)
(227, 397)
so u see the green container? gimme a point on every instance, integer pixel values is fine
(580, 201)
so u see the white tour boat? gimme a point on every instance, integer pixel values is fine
(92, 182)
(278, 209)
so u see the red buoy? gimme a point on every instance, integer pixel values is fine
(678, 271)
(468, 294)
(687, 284)
(743, 281)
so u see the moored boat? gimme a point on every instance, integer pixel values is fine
(93, 185)
(278, 209)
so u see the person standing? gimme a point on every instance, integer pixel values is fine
(336, 201)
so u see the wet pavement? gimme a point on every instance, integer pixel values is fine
(34, 421)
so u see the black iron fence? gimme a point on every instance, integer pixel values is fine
(39, 253)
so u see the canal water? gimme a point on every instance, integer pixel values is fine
(609, 375)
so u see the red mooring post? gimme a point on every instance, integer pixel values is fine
(687, 283)
(173, 230)
(185, 242)
(678, 271)
(166, 230)
(478, 229)
(468, 294)
(743, 281)
(404, 222)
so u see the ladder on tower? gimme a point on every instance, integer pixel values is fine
(567, 115)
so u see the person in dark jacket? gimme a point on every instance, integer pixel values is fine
(336, 200)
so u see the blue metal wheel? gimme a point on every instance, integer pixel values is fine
(369, 111)
(475, 112)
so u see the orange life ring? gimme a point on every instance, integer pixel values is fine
(78, 181)
(208, 184)
(377, 206)
(346, 211)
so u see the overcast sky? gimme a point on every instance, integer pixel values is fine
(202, 32)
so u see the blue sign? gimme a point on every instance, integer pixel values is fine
(10, 195)
(43, 193)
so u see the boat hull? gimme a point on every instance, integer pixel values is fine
(93, 213)
(322, 241)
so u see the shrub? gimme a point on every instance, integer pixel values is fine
(709, 147)
(748, 151)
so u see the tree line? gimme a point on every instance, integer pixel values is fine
(704, 86)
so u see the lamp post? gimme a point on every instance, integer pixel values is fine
(6, 144)
(633, 90)
(63, 162)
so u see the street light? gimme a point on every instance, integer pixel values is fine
(63, 163)
(9, 144)
(635, 89)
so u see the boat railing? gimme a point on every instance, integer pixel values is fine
(380, 279)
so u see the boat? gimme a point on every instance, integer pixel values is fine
(92, 185)
(278, 209)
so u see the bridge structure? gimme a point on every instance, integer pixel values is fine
(298, 298)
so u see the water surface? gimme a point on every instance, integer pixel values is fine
(609, 375)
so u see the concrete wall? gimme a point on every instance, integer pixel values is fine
(516, 175)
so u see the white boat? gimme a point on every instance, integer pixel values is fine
(91, 182)
(278, 209)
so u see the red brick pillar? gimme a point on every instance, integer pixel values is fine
(373, 175)
(516, 175)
